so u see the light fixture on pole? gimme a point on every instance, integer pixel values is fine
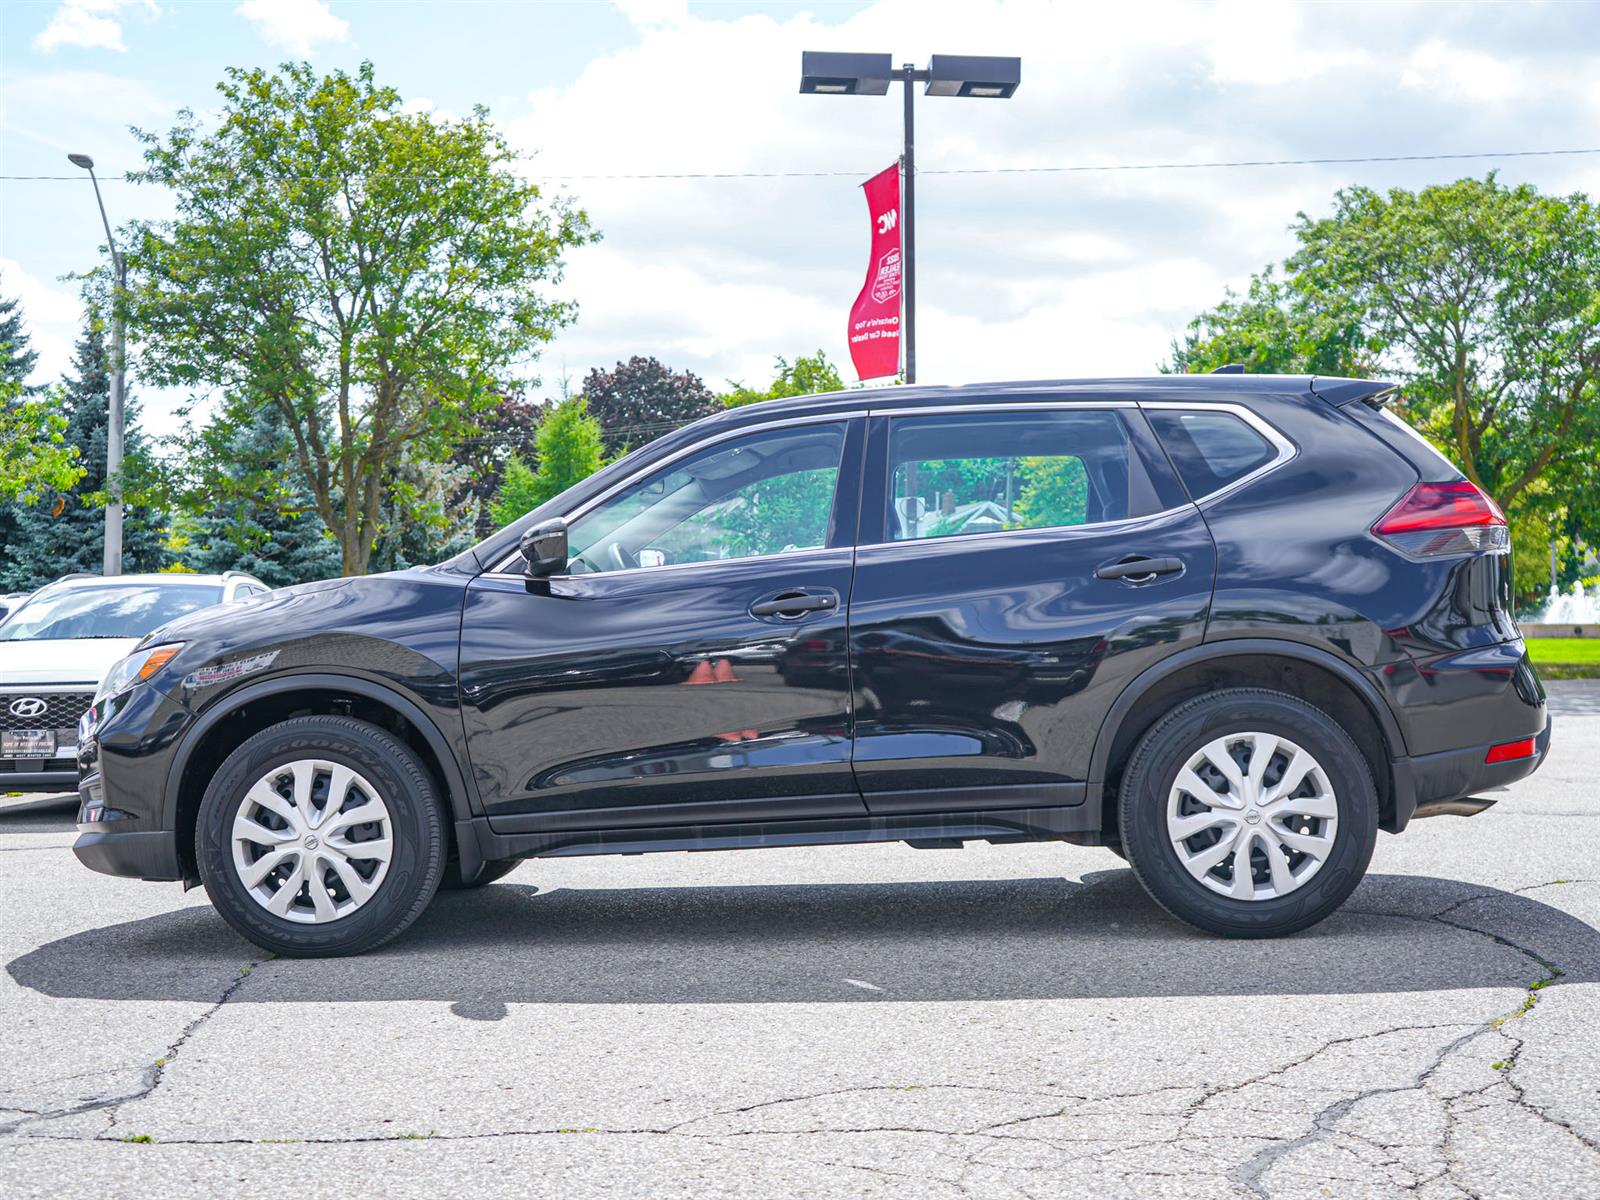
(824, 73)
(113, 549)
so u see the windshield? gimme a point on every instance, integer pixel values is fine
(128, 611)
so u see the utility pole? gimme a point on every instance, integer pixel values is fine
(909, 75)
(114, 431)
(829, 73)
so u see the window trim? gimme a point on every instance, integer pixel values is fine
(1003, 406)
(507, 565)
(1286, 448)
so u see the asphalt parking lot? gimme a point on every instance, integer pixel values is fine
(865, 1021)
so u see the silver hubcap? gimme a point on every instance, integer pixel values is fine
(312, 841)
(1252, 816)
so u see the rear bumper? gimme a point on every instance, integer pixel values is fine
(1455, 774)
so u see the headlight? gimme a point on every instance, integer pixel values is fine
(137, 667)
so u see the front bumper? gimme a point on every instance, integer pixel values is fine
(124, 760)
(149, 855)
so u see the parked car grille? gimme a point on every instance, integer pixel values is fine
(62, 710)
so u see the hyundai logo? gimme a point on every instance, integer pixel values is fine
(28, 707)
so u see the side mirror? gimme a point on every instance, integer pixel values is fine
(544, 549)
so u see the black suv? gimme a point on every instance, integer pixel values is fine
(1226, 626)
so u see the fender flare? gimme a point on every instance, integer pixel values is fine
(1140, 685)
(455, 778)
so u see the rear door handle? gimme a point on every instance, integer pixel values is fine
(1137, 568)
(794, 603)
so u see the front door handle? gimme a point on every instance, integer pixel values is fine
(1137, 568)
(793, 604)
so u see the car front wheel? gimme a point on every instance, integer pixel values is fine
(1248, 813)
(320, 836)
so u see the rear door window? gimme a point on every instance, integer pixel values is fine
(1210, 449)
(970, 473)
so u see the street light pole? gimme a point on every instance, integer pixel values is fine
(830, 73)
(908, 222)
(114, 431)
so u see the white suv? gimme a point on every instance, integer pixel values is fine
(57, 645)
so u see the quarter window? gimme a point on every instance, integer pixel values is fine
(987, 472)
(768, 493)
(1209, 449)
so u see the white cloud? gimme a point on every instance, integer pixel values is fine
(653, 14)
(1019, 274)
(298, 26)
(91, 24)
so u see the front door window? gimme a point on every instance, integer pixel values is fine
(764, 494)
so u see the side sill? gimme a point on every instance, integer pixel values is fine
(976, 799)
(1057, 823)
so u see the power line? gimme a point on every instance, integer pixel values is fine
(1057, 170)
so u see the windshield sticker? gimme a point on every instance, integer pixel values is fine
(223, 672)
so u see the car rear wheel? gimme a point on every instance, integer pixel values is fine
(1248, 813)
(320, 836)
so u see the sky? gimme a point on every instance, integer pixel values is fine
(1032, 273)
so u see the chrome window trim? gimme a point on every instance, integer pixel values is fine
(1037, 530)
(684, 566)
(1286, 449)
(1000, 406)
(504, 566)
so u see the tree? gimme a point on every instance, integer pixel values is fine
(1055, 491)
(17, 355)
(1482, 300)
(250, 510)
(368, 270)
(33, 449)
(641, 399)
(34, 455)
(431, 516)
(504, 431)
(804, 377)
(64, 530)
(570, 450)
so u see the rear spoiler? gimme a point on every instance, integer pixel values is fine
(1374, 393)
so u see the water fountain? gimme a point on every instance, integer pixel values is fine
(1574, 608)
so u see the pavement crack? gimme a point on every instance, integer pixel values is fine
(150, 1077)
(1325, 1123)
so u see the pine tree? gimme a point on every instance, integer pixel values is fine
(17, 355)
(270, 529)
(64, 531)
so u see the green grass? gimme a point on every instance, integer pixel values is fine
(1564, 650)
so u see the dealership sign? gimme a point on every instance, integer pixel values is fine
(875, 316)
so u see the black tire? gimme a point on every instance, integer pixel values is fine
(487, 874)
(1167, 747)
(418, 835)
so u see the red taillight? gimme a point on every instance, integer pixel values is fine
(1445, 518)
(1509, 751)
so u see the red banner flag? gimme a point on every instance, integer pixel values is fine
(875, 316)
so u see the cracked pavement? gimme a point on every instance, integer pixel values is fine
(1013, 1021)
